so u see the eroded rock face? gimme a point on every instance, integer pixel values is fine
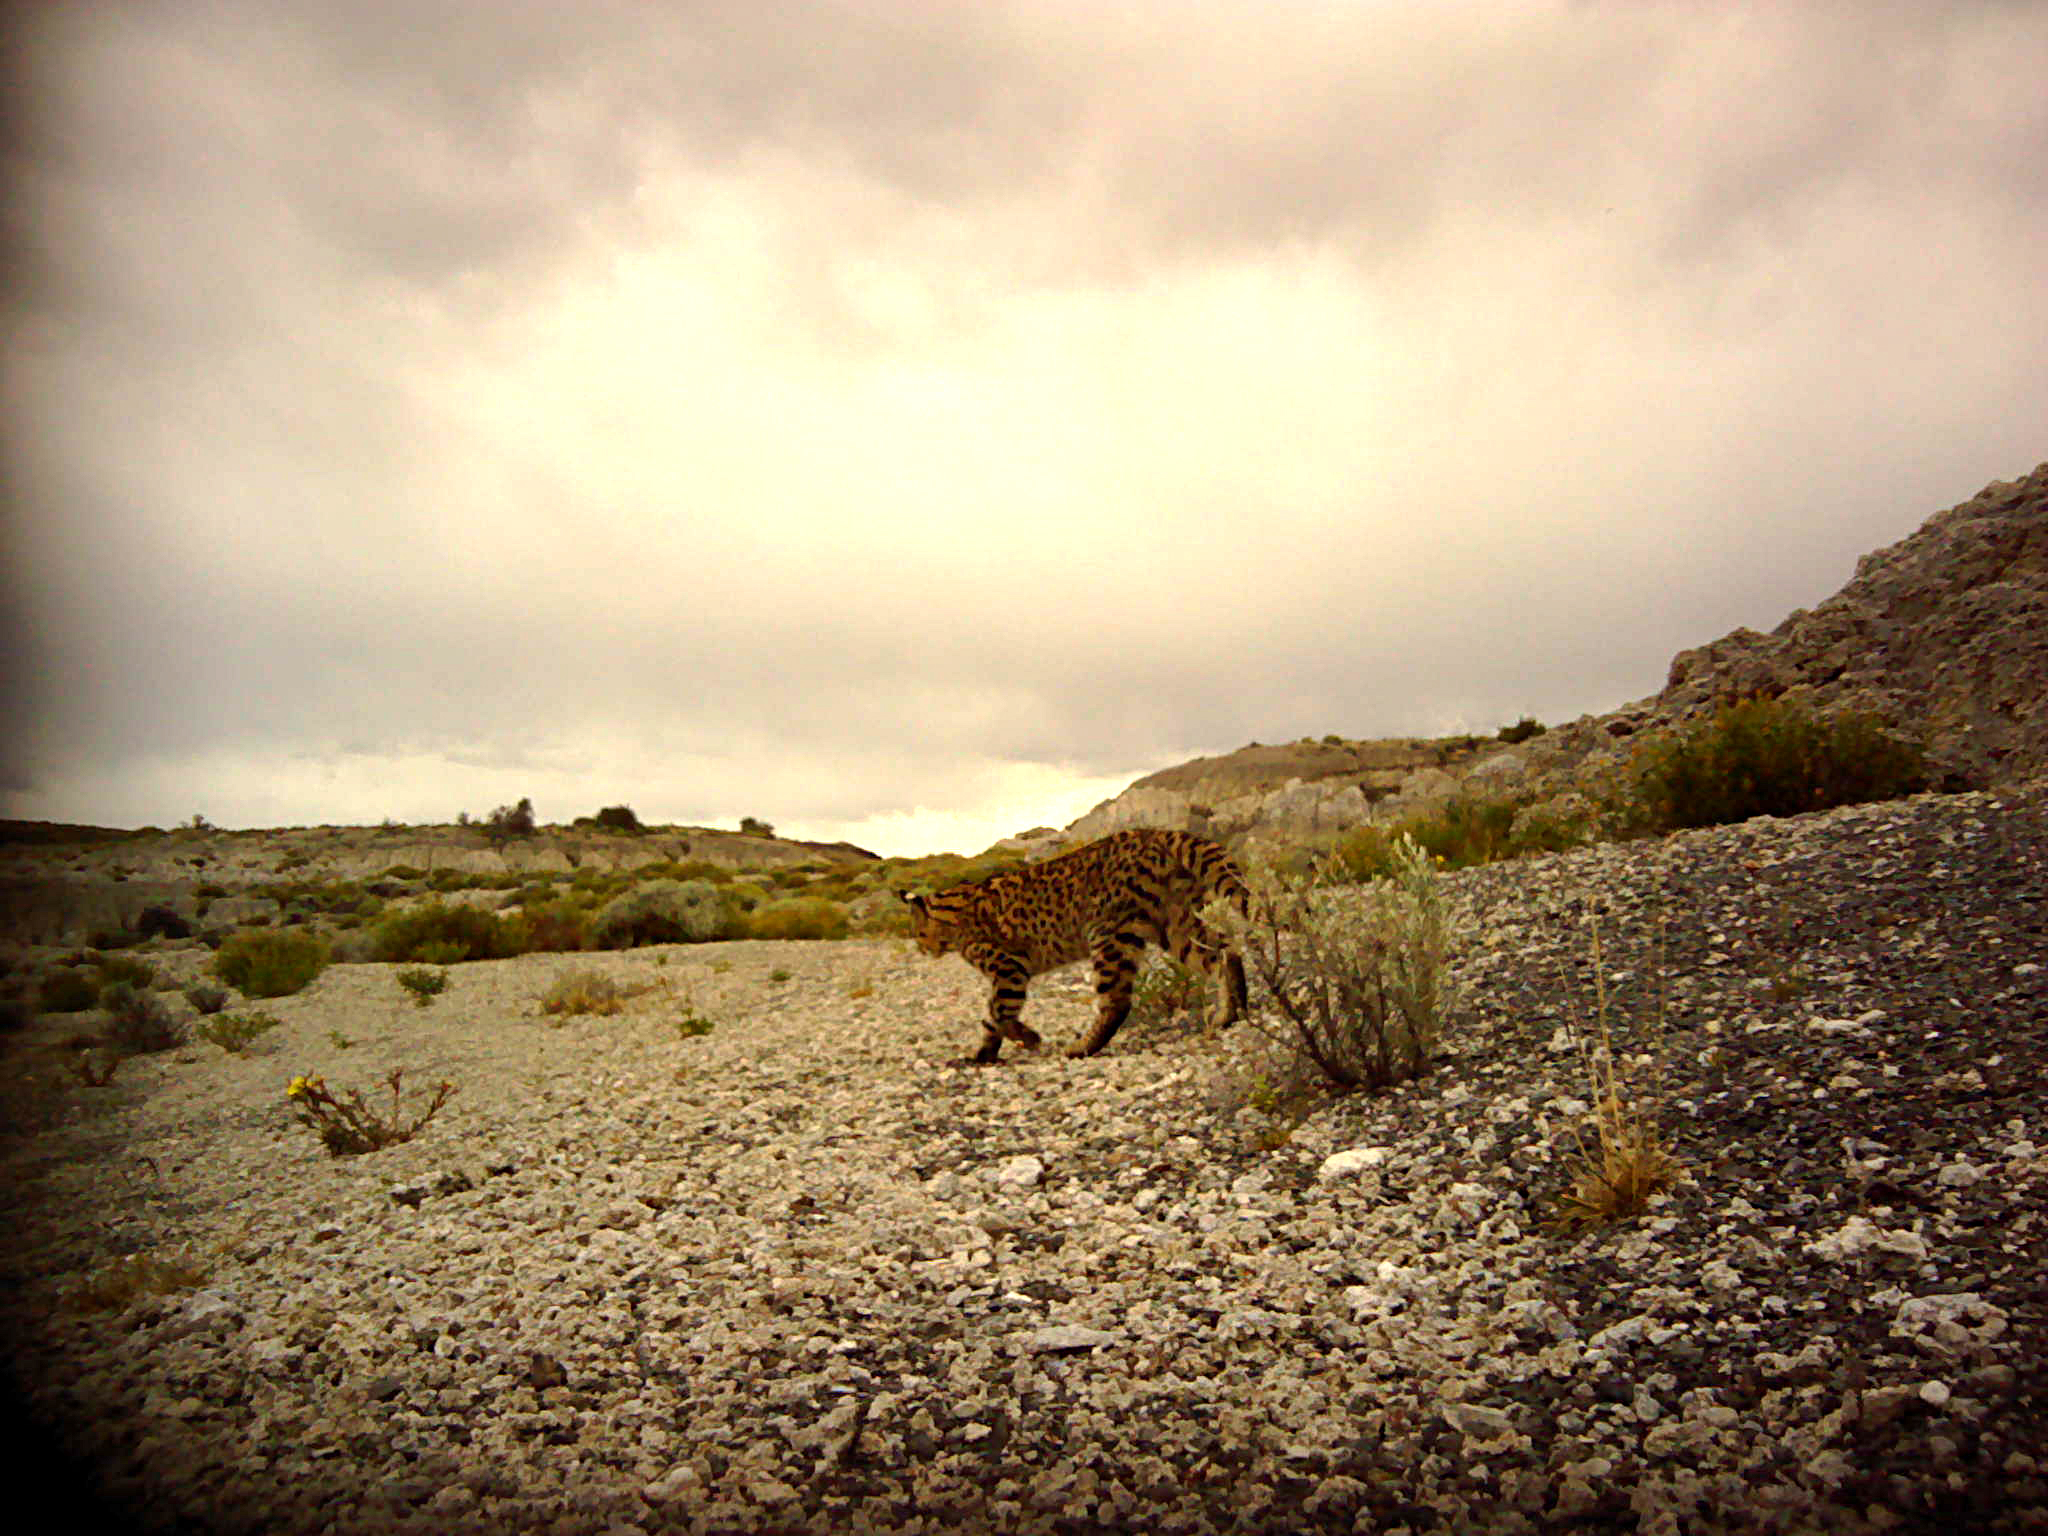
(1946, 631)
(1296, 790)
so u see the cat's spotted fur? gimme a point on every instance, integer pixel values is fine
(1103, 902)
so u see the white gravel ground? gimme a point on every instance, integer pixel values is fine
(802, 1273)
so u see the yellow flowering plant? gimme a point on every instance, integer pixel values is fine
(347, 1124)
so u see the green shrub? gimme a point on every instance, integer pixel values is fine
(67, 990)
(1463, 831)
(262, 963)
(1768, 757)
(879, 917)
(236, 1032)
(1358, 978)
(663, 912)
(424, 983)
(443, 933)
(552, 926)
(618, 818)
(138, 1023)
(1522, 730)
(798, 917)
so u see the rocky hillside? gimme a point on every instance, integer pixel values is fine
(1303, 787)
(1944, 633)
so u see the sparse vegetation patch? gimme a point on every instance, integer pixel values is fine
(583, 991)
(1770, 757)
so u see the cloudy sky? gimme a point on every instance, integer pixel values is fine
(910, 421)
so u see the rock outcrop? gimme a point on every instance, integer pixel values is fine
(1944, 635)
(1945, 632)
(1295, 790)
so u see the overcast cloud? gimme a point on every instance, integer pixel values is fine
(910, 422)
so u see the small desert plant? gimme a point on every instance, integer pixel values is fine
(757, 826)
(424, 983)
(780, 974)
(1357, 977)
(259, 963)
(1769, 757)
(583, 991)
(95, 1065)
(1628, 1159)
(347, 1125)
(618, 818)
(798, 917)
(138, 1024)
(1164, 990)
(663, 912)
(1522, 730)
(206, 999)
(690, 1024)
(124, 1282)
(236, 1032)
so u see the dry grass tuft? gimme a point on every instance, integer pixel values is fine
(1628, 1161)
(584, 991)
(121, 1284)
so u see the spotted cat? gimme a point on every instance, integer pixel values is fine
(1103, 902)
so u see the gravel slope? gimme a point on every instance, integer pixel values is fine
(803, 1274)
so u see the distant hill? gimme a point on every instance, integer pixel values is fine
(36, 833)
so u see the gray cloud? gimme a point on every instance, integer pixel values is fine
(861, 412)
